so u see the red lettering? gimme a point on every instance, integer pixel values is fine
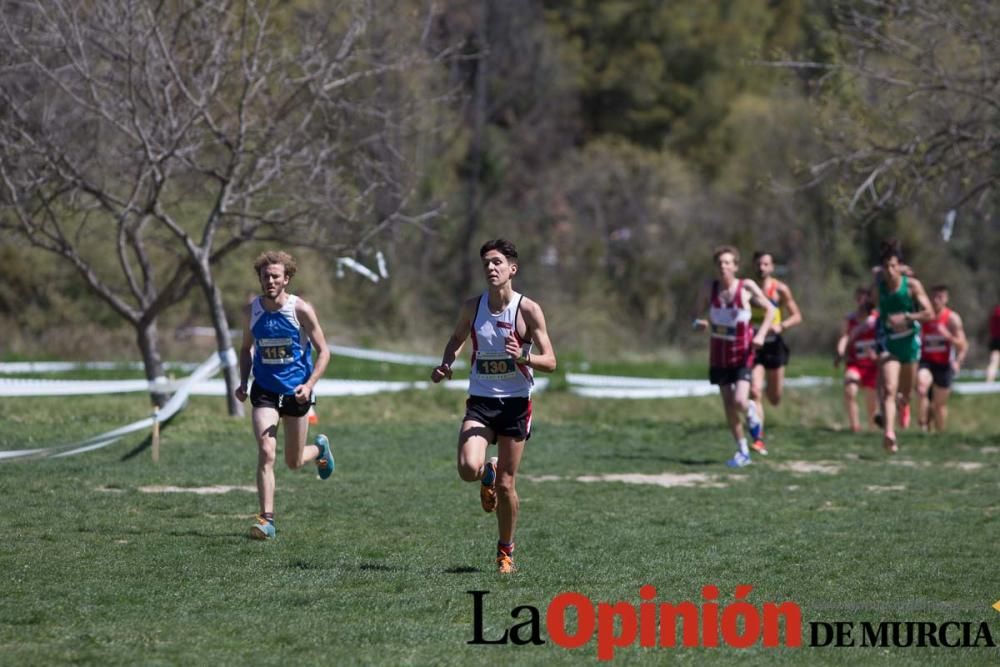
(555, 620)
(792, 614)
(607, 640)
(709, 617)
(647, 617)
(668, 623)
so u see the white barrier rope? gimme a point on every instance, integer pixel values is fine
(206, 370)
(616, 386)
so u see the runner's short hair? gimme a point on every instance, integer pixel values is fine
(270, 257)
(939, 288)
(505, 247)
(722, 250)
(890, 248)
(760, 253)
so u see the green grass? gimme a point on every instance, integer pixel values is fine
(372, 566)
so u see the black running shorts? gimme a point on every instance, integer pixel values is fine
(286, 405)
(943, 374)
(722, 375)
(509, 417)
(773, 354)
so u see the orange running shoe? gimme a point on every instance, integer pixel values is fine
(904, 415)
(759, 447)
(505, 563)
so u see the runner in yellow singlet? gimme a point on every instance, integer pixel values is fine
(771, 359)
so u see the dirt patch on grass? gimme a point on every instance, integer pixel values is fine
(666, 479)
(967, 466)
(885, 489)
(200, 490)
(810, 467)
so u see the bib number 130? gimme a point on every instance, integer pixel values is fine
(496, 368)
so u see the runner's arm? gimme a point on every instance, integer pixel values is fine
(310, 323)
(959, 340)
(246, 356)
(789, 305)
(456, 341)
(543, 357)
(843, 342)
(699, 322)
(758, 297)
(926, 312)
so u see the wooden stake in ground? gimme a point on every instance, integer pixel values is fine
(156, 435)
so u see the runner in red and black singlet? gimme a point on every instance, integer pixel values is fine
(991, 369)
(727, 302)
(942, 352)
(730, 350)
(856, 346)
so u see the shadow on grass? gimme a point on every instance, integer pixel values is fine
(144, 445)
(220, 536)
(377, 567)
(461, 569)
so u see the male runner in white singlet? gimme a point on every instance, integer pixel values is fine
(509, 343)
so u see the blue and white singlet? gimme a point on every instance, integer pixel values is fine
(282, 357)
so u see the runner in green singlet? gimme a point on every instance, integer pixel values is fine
(902, 304)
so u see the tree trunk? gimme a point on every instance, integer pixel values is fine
(224, 343)
(149, 344)
(474, 158)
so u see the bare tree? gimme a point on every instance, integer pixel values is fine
(165, 135)
(916, 104)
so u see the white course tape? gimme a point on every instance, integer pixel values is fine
(808, 381)
(231, 359)
(63, 366)
(975, 387)
(357, 267)
(391, 357)
(607, 381)
(613, 386)
(16, 387)
(330, 388)
(620, 381)
(205, 387)
(204, 371)
(703, 388)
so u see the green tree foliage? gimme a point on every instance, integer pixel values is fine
(664, 74)
(908, 113)
(618, 141)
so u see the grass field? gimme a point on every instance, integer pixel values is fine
(103, 566)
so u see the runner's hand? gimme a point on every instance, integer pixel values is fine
(440, 373)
